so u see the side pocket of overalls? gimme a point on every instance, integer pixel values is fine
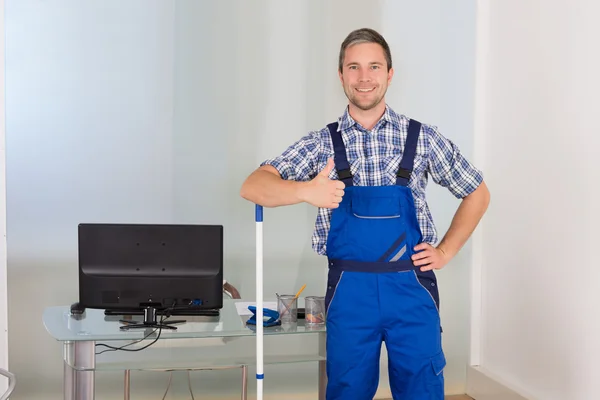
(333, 279)
(429, 284)
(435, 385)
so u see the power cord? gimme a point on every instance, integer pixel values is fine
(189, 385)
(168, 386)
(124, 347)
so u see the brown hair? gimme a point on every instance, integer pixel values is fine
(364, 35)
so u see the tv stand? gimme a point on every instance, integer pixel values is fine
(149, 321)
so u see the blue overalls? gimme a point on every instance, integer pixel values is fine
(375, 293)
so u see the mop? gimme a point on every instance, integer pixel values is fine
(259, 303)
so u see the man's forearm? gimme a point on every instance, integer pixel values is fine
(465, 221)
(266, 188)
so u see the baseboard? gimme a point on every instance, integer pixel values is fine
(483, 385)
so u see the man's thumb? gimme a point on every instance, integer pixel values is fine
(325, 172)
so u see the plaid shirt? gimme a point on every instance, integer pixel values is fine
(374, 158)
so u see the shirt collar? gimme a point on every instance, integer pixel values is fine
(346, 121)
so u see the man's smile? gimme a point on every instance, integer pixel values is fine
(365, 90)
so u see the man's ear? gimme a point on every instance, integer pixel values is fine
(390, 75)
(341, 76)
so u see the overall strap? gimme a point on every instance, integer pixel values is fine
(410, 149)
(341, 161)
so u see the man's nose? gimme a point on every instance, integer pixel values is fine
(364, 76)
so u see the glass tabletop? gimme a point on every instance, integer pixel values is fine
(95, 325)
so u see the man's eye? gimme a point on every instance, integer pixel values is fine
(375, 66)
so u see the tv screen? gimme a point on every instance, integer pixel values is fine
(134, 266)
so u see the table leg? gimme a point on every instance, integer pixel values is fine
(68, 382)
(244, 382)
(323, 365)
(127, 383)
(322, 379)
(78, 379)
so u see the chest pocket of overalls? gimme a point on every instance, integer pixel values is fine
(376, 207)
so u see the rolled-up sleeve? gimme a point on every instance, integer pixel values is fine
(449, 168)
(299, 161)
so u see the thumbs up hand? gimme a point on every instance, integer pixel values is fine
(324, 192)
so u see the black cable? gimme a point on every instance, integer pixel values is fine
(123, 348)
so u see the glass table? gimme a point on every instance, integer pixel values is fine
(201, 342)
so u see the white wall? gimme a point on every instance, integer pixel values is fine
(89, 115)
(434, 83)
(186, 98)
(539, 140)
(3, 264)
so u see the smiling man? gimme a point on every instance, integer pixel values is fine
(367, 174)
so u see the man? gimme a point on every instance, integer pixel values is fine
(367, 173)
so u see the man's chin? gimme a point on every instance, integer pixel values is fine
(366, 106)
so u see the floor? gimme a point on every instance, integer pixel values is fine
(458, 397)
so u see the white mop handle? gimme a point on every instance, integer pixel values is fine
(259, 303)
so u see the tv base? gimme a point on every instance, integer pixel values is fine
(149, 322)
(148, 325)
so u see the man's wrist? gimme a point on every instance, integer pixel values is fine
(446, 251)
(302, 190)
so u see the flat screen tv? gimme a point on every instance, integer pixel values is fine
(151, 268)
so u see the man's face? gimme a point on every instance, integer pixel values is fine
(364, 75)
